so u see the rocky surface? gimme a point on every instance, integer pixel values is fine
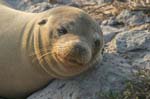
(133, 40)
(127, 47)
(106, 76)
(26, 4)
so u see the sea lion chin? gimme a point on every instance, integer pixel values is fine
(37, 47)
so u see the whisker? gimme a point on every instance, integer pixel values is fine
(41, 50)
(33, 54)
(34, 59)
(44, 55)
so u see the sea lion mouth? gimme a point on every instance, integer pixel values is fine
(68, 61)
(74, 63)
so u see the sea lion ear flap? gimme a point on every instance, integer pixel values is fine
(42, 21)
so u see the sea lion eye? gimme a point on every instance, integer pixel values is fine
(62, 31)
(97, 43)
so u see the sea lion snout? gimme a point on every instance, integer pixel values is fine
(74, 52)
(79, 53)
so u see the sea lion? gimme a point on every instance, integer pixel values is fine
(37, 47)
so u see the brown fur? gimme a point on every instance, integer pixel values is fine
(58, 43)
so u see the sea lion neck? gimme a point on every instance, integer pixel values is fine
(32, 45)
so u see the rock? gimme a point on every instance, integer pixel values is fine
(110, 32)
(83, 1)
(23, 4)
(133, 40)
(139, 59)
(142, 62)
(39, 7)
(103, 1)
(113, 22)
(110, 28)
(109, 75)
(132, 18)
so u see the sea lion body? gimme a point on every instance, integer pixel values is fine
(17, 75)
(23, 34)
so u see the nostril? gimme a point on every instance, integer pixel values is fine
(97, 43)
(80, 49)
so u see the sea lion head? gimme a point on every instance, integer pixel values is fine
(71, 39)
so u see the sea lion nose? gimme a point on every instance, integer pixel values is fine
(80, 53)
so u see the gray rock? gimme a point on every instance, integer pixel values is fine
(39, 7)
(23, 4)
(103, 1)
(139, 59)
(132, 18)
(83, 1)
(112, 21)
(109, 75)
(142, 62)
(133, 40)
(110, 32)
